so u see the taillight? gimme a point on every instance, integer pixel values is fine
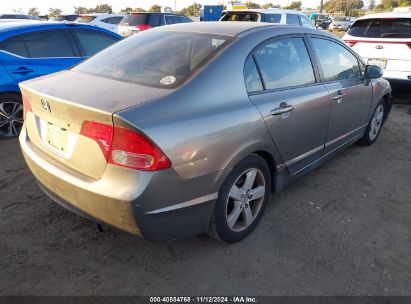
(125, 148)
(133, 150)
(26, 106)
(143, 27)
(350, 43)
(409, 45)
(101, 133)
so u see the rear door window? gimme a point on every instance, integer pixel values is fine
(251, 76)
(135, 19)
(154, 19)
(92, 42)
(184, 19)
(41, 44)
(15, 45)
(54, 43)
(112, 20)
(292, 19)
(240, 16)
(272, 18)
(336, 61)
(171, 19)
(382, 28)
(285, 63)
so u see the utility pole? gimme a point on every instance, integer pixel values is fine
(321, 6)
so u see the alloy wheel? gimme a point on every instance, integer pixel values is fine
(376, 122)
(11, 118)
(245, 199)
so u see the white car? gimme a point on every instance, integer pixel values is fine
(107, 21)
(384, 40)
(341, 23)
(271, 15)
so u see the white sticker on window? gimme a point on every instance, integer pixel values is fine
(168, 80)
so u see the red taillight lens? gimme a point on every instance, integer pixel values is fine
(133, 150)
(409, 45)
(350, 43)
(26, 106)
(125, 148)
(101, 133)
(143, 27)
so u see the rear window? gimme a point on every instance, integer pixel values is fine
(142, 58)
(85, 19)
(240, 16)
(382, 28)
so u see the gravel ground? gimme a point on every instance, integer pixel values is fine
(344, 229)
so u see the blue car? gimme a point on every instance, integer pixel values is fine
(33, 49)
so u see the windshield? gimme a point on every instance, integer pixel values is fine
(157, 59)
(240, 16)
(382, 28)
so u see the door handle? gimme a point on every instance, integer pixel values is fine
(338, 97)
(283, 108)
(22, 71)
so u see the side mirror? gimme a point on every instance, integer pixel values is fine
(373, 71)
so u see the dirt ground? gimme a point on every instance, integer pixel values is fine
(344, 229)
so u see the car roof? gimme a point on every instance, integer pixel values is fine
(234, 28)
(386, 15)
(267, 11)
(13, 28)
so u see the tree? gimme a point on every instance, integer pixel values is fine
(18, 10)
(404, 2)
(191, 10)
(267, 5)
(81, 10)
(155, 8)
(54, 12)
(372, 4)
(33, 11)
(129, 10)
(295, 5)
(103, 8)
(347, 7)
(252, 5)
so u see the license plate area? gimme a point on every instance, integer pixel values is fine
(382, 63)
(57, 137)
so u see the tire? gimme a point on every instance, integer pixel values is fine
(11, 115)
(241, 207)
(374, 125)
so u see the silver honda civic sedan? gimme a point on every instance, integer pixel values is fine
(187, 129)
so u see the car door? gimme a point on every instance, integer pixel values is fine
(38, 53)
(91, 42)
(294, 105)
(350, 93)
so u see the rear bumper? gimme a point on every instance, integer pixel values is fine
(155, 205)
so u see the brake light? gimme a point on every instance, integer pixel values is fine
(409, 45)
(125, 148)
(133, 150)
(143, 27)
(101, 133)
(350, 43)
(26, 106)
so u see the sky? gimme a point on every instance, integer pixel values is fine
(6, 6)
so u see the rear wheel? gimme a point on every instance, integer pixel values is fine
(374, 125)
(11, 114)
(241, 200)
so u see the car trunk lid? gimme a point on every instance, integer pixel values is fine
(60, 104)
